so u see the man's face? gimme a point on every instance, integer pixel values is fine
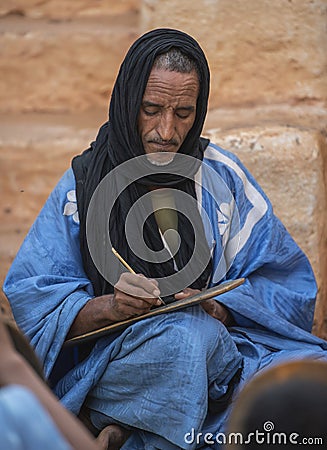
(167, 112)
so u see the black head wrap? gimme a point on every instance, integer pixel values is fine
(118, 141)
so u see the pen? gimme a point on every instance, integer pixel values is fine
(128, 267)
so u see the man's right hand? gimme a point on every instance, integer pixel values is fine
(133, 296)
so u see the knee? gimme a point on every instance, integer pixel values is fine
(194, 328)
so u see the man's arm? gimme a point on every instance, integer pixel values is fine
(133, 295)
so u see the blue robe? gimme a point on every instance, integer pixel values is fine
(160, 375)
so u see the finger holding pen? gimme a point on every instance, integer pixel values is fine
(156, 291)
(138, 286)
(134, 295)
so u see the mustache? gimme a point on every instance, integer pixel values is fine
(163, 141)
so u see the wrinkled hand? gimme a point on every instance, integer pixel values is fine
(217, 310)
(134, 295)
(211, 306)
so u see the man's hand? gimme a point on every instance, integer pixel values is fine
(185, 293)
(211, 306)
(217, 310)
(133, 295)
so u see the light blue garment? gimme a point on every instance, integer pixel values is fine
(273, 311)
(25, 424)
(165, 368)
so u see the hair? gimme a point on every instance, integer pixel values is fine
(291, 397)
(174, 60)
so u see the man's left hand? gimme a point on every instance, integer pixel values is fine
(211, 306)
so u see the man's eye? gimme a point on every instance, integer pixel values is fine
(150, 112)
(183, 115)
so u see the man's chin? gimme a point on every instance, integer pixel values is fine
(160, 158)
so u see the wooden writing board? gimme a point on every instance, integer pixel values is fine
(178, 304)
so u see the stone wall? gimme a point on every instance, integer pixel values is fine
(260, 51)
(59, 59)
(62, 55)
(59, 10)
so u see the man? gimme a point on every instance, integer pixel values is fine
(166, 380)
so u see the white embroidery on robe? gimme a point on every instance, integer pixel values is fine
(224, 214)
(70, 208)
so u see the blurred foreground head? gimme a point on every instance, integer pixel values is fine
(282, 408)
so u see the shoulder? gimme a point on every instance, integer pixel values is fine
(229, 168)
(68, 193)
(25, 423)
(225, 164)
(66, 183)
(63, 196)
(222, 160)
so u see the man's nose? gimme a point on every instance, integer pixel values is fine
(166, 127)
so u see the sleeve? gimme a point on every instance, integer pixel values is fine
(46, 284)
(279, 289)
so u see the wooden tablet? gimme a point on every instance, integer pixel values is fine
(179, 304)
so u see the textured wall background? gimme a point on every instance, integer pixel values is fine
(59, 59)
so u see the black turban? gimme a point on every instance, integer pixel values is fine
(118, 141)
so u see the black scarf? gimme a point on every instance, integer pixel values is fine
(118, 141)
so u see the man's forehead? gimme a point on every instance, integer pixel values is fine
(163, 82)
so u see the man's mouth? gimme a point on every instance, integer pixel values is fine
(164, 146)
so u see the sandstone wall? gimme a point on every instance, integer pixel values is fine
(259, 51)
(67, 9)
(62, 55)
(59, 59)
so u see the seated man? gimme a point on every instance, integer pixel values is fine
(185, 215)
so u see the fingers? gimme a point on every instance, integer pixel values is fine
(185, 293)
(133, 306)
(138, 286)
(134, 295)
(209, 306)
(216, 310)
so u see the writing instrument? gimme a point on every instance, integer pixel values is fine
(128, 267)
(175, 306)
